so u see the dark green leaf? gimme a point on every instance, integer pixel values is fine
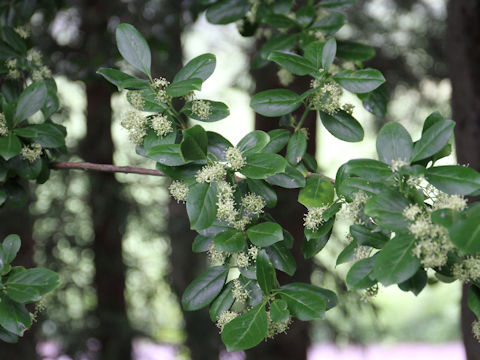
(474, 300)
(454, 179)
(279, 311)
(347, 254)
(260, 187)
(297, 145)
(31, 284)
(133, 47)
(360, 81)
(217, 145)
(48, 134)
(265, 234)
(30, 101)
(343, 126)
(278, 140)
(201, 205)
(387, 209)
(10, 146)
(394, 143)
(230, 241)
(366, 237)
(261, 165)
(194, 143)
(227, 11)
(122, 80)
(202, 243)
(296, 64)
(200, 67)
(337, 4)
(376, 101)
(305, 302)
(183, 87)
(204, 288)
(281, 258)
(328, 53)
(266, 277)
(465, 234)
(166, 154)
(313, 52)
(312, 247)
(222, 303)
(416, 283)
(253, 142)
(290, 179)
(318, 191)
(352, 51)
(218, 111)
(369, 169)
(276, 102)
(433, 140)
(13, 316)
(360, 275)
(330, 23)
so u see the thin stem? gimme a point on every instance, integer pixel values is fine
(302, 119)
(103, 168)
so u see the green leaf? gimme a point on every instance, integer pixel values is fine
(10, 146)
(133, 47)
(337, 4)
(247, 330)
(349, 186)
(376, 101)
(10, 247)
(30, 101)
(474, 300)
(353, 51)
(151, 102)
(230, 241)
(445, 217)
(10, 36)
(279, 311)
(260, 187)
(218, 111)
(276, 102)
(312, 247)
(278, 21)
(454, 179)
(201, 243)
(387, 209)
(202, 205)
(5, 335)
(465, 234)
(48, 134)
(343, 126)
(183, 87)
(217, 145)
(360, 275)
(366, 237)
(13, 316)
(278, 42)
(395, 263)
(200, 67)
(330, 23)
(296, 64)
(29, 285)
(266, 277)
(166, 154)
(204, 288)
(281, 258)
(328, 53)
(194, 143)
(261, 165)
(394, 143)
(323, 230)
(278, 140)
(360, 81)
(222, 303)
(290, 179)
(122, 80)
(347, 254)
(227, 11)
(416, 283)
(253, 142)
(265, 234)
(318, 191)
(305, 302)
(433, 140)
(313, 52)
(297, 145)
(369, 169)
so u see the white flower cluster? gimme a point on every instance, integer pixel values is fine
(445, 201)
(476, 330)
(202, 109)
(35, 57)
(211, 173)
(327, 98)
(160, 85)
(362, 252)
(397, 164)
(234, 158)
(216, 256)
(42, 73)
(135, 123)
(13, 72)
(161, 125)
(23, 31)
(285, 77)
(179, 191)
(276, 327)
(253, 204)
(353, 210)
(245, 258)
(135, 99)
(224, 318)
(3, 125)
(468, 269)
(313, 219)
(239, 293)
(31, 152)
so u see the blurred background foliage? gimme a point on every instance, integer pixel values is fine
(124, 259)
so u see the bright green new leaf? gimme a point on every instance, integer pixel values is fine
(247, 330)
(454, 179)
(133, 47)
(265, 234)
(204, 288)
(276, 102)
(253, 142)
(433, 140)
(230, 241)
(29, 285)
(318, 191)
(266, 277)
(200, 67)
(305, 302)
(294, 63)
(343, 126)
(202, 205)
(194, 143)
(30, 101)
(261, 165)
(394, 143)
(360, 81)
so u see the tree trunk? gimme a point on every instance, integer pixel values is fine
(463, 59)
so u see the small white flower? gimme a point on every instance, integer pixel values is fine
(253, 204)
(161, 125)
(239, 292)
(234, 158)
(31, 152)
(476, 330)
(135, 99)
(224, 318)
(412, 211)
(242, 260)
(179, 191)
(313, 219)
(201, 108)
(3, 125)
(285, 77)
(136, 126)
(23, 31)
(397, 164)
(211, 173)
(215, 256)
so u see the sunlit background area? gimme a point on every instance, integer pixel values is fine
(408, 39)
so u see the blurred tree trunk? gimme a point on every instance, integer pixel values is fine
(108, 208)
(289, 213)
(463, 59)
(202, 337)
(20, 222)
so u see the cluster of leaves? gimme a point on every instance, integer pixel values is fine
(19, 286)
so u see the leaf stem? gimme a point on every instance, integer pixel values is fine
(302, 119)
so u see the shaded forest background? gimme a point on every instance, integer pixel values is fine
(109, 236)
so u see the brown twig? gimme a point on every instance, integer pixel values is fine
(65, 165)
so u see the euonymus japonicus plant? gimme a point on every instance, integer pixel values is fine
(408, 216)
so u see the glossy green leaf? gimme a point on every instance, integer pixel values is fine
(204, 288)
(202, 243)
(133, 47)
(360, 81)
(30, 101)
(265, 234)
(330, 23)
(200, 67)
(353, 51)
(230, 241)
(328, 53)
(183, 87)
(261, 165)
(217, 145)
(48, 134)
(454, 179)
(465, 234)
(201, 205)
(31, 284)
(296, 64)
(366, 237)
(276, 102)
(266, 277)
(347, 254)
(281, 258)
(318, 191)
(218, 111)
(312, 247)
(14, 317)
(278, 42)
(260, 187)
(222, 303)
(394, 143)
(321, 231)
(387, 210)
(122, 80)
(10, 247)
(194, 143)
(337, 4)
(227, 11)
(297, 145)
(416, 283)
(290, 179)
(253, 142)
(360, 275)
(305, 302)
(395, 263)
(166, 154)
(369, 169)
(433, 140)
(10, 146)
(343, 126)
(278, 140)
(313, 52)
(246, 330)
(376, 101)
(278, 21)
(279, 311)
